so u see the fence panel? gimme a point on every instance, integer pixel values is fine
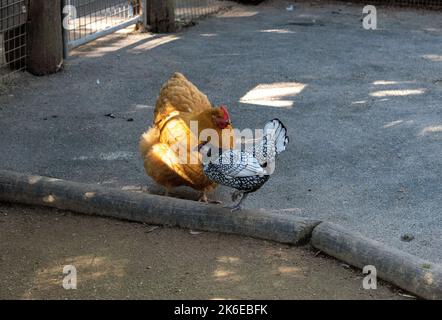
(91, 19)
(189, 10)
(424, 4)
(13, 18)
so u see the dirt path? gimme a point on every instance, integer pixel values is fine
(122, 260)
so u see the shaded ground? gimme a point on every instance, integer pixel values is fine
(363, 109)
(119, 260)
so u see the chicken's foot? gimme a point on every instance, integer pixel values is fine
(205, 199)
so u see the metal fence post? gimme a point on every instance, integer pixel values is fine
(65, 32)
(45, 41)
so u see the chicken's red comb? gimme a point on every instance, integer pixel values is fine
(225, 112)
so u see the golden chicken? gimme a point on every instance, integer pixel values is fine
(170, 147)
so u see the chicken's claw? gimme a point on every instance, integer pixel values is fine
(205, 199)
(234, 208)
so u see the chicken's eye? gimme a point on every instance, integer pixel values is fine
(209, 153)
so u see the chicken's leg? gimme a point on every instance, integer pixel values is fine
(238, 206)
(205, 199)
(236, 194)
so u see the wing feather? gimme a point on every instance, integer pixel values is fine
(234, 163)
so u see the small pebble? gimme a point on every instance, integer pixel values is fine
(407, 237)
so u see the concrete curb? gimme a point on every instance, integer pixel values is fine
(409, 272)
(413, 274)
(152, 209)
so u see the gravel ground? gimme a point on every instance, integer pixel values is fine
(363, 109)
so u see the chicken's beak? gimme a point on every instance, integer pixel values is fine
(228, 125)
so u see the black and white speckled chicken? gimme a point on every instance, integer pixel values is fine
(248, 168)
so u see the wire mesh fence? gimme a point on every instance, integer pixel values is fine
(424, 4)
(13, 18)
(189, 10)
(89, 17)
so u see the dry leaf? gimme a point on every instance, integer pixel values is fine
(153, 228)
